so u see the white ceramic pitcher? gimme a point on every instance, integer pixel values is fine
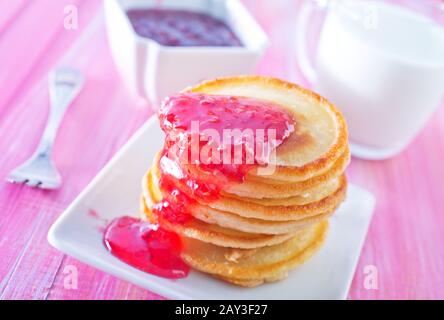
(381, 64)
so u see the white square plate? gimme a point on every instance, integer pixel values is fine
(116, 191)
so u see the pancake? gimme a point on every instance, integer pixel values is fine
(256, 230)
(250, 283)
(311, 195)
(242, 283)
(320, 136)
(282, 212)
(253, 267)
(265, 189)
(240, 223)
(254, 210)
(262, 188)
(212, 233)
(341, 162)
(251, 225)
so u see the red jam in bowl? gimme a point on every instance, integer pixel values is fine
(182, 28)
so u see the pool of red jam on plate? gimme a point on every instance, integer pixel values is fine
(147, 247)
(172, 27)
(184, 182)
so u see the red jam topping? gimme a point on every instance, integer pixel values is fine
(202, 154)
(221, 135)
(146, 247)
(182, 28)
(211, 141)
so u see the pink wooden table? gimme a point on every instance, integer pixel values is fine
(405, 240)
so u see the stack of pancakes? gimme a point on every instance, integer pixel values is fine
(256, 231)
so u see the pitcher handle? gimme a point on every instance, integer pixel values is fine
(305, 63)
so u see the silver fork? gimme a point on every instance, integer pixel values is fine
(39, 171)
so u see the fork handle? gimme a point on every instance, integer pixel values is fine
(64, 86)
